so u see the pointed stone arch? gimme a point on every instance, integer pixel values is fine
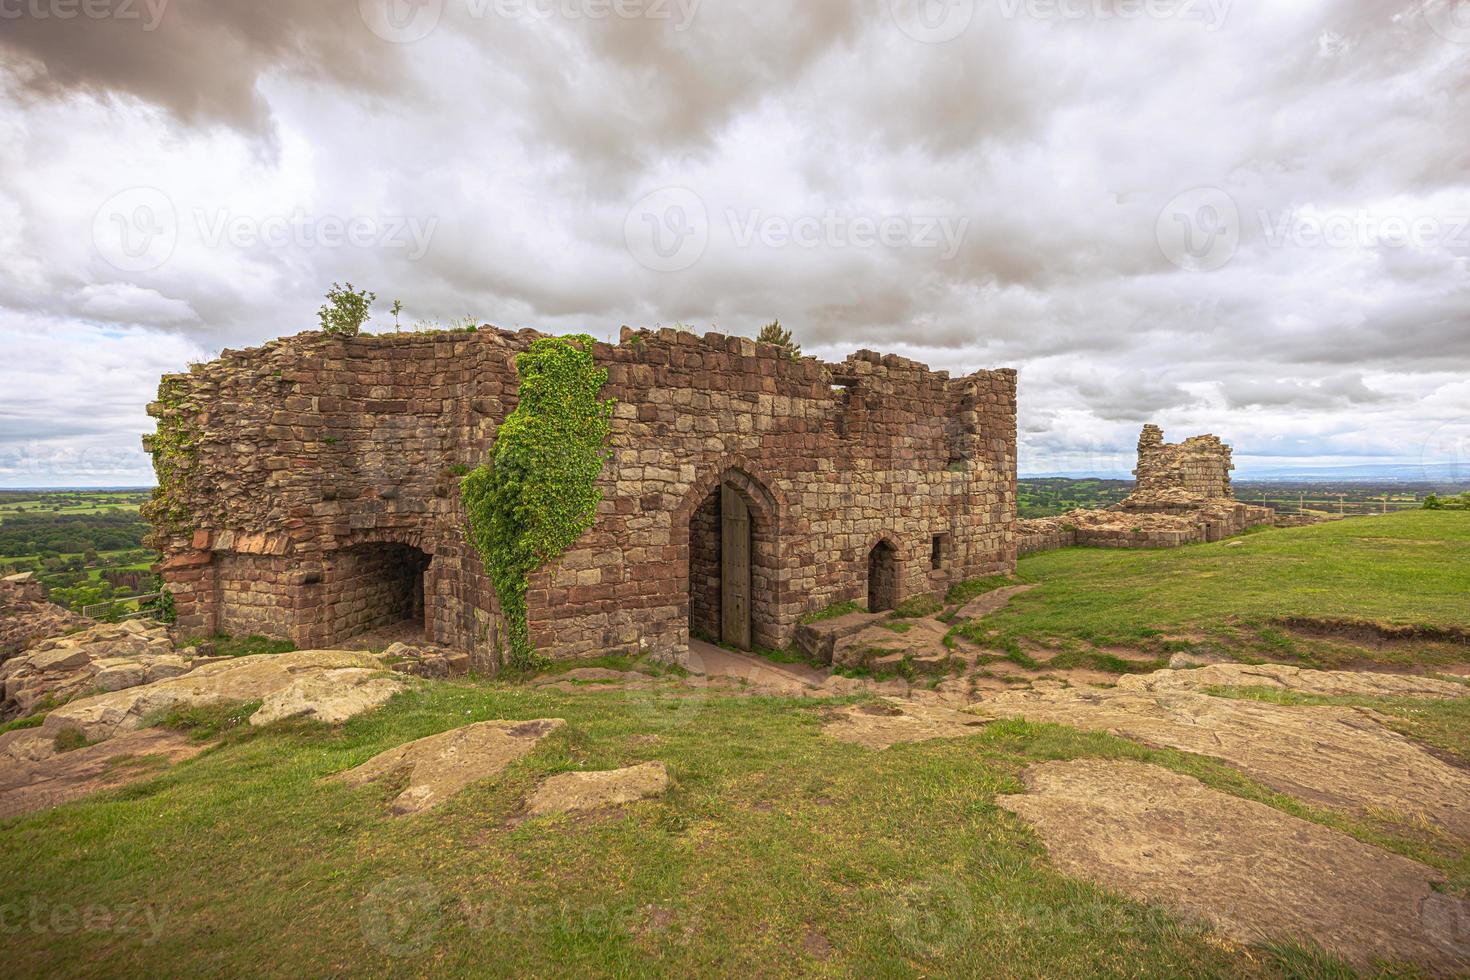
(703, 520)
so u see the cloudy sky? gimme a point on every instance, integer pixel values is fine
(1249, 217)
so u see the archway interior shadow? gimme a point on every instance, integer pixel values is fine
(882, 577)
(379, 586)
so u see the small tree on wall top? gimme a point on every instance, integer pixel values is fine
(774, 333)
(346, 310)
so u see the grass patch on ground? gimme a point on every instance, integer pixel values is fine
(836, 609)
(225, 645)
(772, 835)
(1411, 568)
(962, 592)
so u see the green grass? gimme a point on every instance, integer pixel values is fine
(836, 609)
(225, 645)
(900, 861)
(962, 592)
(1411, 568)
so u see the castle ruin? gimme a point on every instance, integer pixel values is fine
(309, 489)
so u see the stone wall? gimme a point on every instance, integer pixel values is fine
(286, 458)
(1200, 465)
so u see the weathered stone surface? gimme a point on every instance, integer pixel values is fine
(27, 786)
(1255, 872)
(817, 641)
(573, 791)
(1287, 678)
(1337, 756)
(442, 765)
(259, 678)
(880, 648)
(328, 696)
(881, 724)
(321, 484)
(1182, 496)
(106, 656)
(26, 616)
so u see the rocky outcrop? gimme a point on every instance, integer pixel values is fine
(433, 769)
(1333, 756)
(570, 792)
(1282, 677)
(881, 724)
(1253, 871)
(106, 657)
(434, 662)
(321, 685)
(26, 616)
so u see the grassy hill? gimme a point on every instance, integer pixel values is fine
(778, 852)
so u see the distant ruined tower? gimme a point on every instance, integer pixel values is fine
(1200, 465)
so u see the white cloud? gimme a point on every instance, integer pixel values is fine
(514, 149)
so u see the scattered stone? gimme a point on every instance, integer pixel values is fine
(435, 663)
(1255, 872)
(1334, 756)
(573, 791)
(442, 765)
(879, 725)
(28, 786)
(26, 616)
(333, 684)
(1283, 677)
(107, 656)
(818, 641)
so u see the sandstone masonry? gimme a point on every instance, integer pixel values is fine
(309, 488)
(1182, 496)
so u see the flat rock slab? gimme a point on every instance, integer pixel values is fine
(442, 765)
(573, 791)
(1337, 756)
(1283, 677)
(877, 726)
(992, 601)
(1253, 871)
(327, 685)
(28, 786)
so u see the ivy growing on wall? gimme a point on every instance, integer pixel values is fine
(537, 492)
(175, 456)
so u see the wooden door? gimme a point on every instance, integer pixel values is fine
(734, 568)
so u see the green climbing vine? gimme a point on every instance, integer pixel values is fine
(537, 492)
(175, 456)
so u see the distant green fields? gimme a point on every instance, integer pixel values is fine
(72, 539)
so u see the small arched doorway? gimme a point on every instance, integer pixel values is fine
(378, 587)
(732, 565)
(882, 577)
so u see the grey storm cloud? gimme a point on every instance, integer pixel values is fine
(1027, 167)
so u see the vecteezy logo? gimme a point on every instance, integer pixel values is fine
(667, 230)
(934, 917)
(932, 21)
(1450, 19)
(1446, 456)
(1199, 230)
(136, 230)
(399, 916)
(401, 21)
